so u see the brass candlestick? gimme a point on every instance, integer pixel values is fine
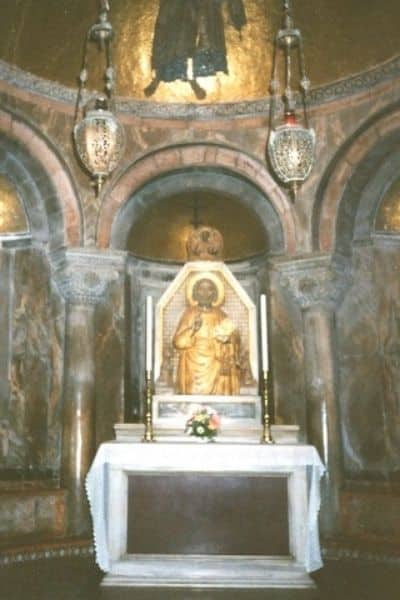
(266, 437)
(148, 418)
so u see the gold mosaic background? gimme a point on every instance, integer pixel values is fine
(388, 217)
(244, 235)
(45, 37)
(12, 213)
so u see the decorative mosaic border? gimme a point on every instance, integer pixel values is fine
(17, 557)
(359, 554)
(333, 91)
(11, 557)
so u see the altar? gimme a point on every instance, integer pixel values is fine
(206, 492)
(222, 515)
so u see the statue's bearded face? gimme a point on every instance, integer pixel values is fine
(205, 292)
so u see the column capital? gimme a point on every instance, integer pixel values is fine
(313, 280)
(83, 275)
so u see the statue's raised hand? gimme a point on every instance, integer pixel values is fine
(197, 323)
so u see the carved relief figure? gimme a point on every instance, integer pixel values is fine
(207, 341)
(191, 29)
(205, 243)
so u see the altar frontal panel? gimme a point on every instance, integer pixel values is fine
(206, 514)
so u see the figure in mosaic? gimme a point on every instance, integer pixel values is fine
(191, 30)
(207, 341)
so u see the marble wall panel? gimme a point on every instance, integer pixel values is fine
(362, 419)
(34, 511)
(56, 363)
(35, 365)
(17, 515)
(287, 359)
(111, 333)
(5, 270)
(362, 513)
(50, 512)
(387, 270)
(368, 345)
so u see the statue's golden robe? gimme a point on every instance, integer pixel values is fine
(209, 357)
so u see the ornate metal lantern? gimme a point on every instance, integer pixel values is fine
(291, 145)
(99, 137)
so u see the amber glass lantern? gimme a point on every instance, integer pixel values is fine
(98, 136)
(291, 142)
(99, 140)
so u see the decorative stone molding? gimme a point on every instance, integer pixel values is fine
(386, 240)
(44, 551)
(314, 280)
(83, 276)
(339, 89)
(359, 554)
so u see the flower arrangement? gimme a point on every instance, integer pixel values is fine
(204, 423)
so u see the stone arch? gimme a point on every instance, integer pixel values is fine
(43, 181)
(199, 180)
(355, 182)
(202, 156)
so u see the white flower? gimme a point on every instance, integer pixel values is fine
(224, 329)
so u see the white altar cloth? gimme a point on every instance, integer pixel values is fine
(194, 457)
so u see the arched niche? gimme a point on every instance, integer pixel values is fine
(200, 168)
(202, 158)
(354, 184)
(359, 207)
(42, 181)
(157, 218)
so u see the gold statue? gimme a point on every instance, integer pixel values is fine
(207, 341)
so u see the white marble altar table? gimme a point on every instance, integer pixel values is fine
(106, 486)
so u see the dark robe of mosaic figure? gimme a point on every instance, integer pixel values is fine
(192, 29)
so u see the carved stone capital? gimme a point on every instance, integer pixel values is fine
(83, 276)
(312, 281)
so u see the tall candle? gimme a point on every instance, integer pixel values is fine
(264, 333)
(149, 333)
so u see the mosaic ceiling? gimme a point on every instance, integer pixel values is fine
(344, 37)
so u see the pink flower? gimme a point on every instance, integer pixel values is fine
(215, 421)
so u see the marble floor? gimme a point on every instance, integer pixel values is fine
(78, 579)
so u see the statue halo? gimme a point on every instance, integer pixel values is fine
(217, 281)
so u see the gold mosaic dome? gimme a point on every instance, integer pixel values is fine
(341, 38)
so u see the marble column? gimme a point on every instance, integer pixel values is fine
(83, 278)
(316, 285)
(79, 412)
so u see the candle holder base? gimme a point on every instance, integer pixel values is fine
(148, 419)
(266, 437)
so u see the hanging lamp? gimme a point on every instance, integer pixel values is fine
(99, 137)
(291, 142)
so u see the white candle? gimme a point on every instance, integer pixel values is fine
(149, 333)
(264, 333)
